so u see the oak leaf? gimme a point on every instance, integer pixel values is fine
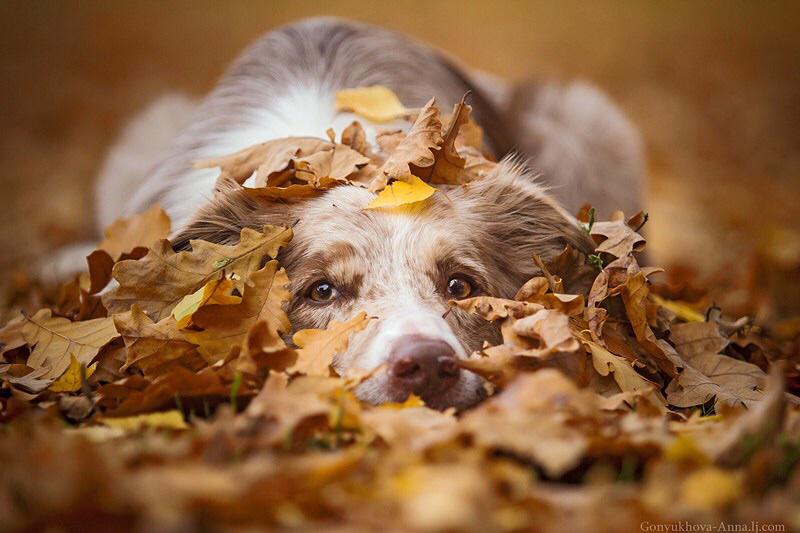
(375, 103)
(54, 342)
(319, 347)
(707, 375)
(141, 230)
(216, 291)
(492, 308)
(155, 348)
(615, 237)
(415, 151)
(158, 281)
(266, 159)
(402, 193)
(226, 326)
(71, 380)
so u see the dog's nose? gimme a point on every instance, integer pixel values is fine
(422, 365)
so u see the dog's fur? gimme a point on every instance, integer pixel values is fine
(393, 265)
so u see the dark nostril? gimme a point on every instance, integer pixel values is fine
(405, 368)
(447, 367)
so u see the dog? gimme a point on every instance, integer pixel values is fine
(401, 268)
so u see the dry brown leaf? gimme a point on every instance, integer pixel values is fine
(53, 342)
(335, 164)
(415, 151)
(226, 327)
(550, 328)
(265, 159)
(318, 347)
(491, 308)
(156, 348)
(449, 165)
(695, 338)
(616, 238)
(707, 375)
(158, 281)
(535, 290)
(141, 230)
(355, 137)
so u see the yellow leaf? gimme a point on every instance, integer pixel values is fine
(684, 448)
(682, 309)
(376, 103)
(70, 381)
(402, 193)
(711, 488)
(411, 402)
(227, 326)
(169, 420)
(319, 346)
(216, 291)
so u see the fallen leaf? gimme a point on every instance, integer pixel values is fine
(491, 308)
(695, 338)
(616, 238)
(70, 381)
(227, 326)
(167, 420)
(155, 348)
(709, 375)
(402, 193)
(216, 291)
(158, 281)
(319, 347)
(375, 103)
(55, 341)
(141, 230)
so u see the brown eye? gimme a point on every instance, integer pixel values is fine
(459, 288)
(323, 291)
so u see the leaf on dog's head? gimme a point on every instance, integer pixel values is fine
(333, 165)
(355, 137)
(402, 193)
(265, 159)
(54, 342)
(139, 231)
(415, 151)
(318, 347)
(226, 327)
(375, 103)
(159, 280)
(449, 165)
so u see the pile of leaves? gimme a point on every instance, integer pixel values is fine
(164, 390)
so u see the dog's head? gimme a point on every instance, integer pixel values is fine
(402, 266)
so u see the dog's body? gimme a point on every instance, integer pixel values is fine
(400, 268)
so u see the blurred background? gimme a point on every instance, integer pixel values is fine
(713, 86)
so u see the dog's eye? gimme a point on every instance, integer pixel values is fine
(323, 291)
(459, 288)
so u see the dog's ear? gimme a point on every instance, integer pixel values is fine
(221, 220)
(517, 217)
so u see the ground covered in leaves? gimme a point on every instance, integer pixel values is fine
(163, 390)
